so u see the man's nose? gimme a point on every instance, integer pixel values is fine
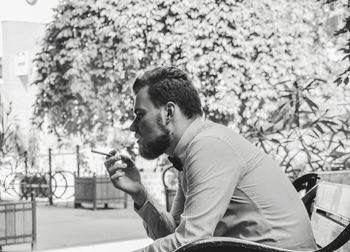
(133, 126)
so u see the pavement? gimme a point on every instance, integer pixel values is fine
(63, 228)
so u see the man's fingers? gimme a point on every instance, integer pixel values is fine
(112, 152)
(118, 174)
(117, 162)
(127, 159)
(111, 160)
(116, 167)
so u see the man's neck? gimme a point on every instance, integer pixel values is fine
(179, 129)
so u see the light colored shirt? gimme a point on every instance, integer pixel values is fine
(228, 187)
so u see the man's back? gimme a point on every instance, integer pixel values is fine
(264, 207)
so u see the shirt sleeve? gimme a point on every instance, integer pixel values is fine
(178, 202)
(156, 221)
(212, 170)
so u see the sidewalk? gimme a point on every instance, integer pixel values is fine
(123, 246)
(64, 228)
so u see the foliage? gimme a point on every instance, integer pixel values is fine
(303, 135)
(80, 75)
(236, 51)
(306, 135)
(246, 57)
(345, 29)
(240, 50)
(11, 144)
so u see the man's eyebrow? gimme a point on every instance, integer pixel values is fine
(138, 110)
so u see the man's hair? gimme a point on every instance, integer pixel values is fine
(170, 84)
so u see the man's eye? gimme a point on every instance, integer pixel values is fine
(139, 115)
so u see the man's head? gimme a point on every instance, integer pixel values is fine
(161, 94)
(170, 84)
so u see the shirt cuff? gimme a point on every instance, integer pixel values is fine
(147, 210)
(138, 209)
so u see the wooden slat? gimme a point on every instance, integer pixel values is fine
(334, 198)
(2, 225)
(19, 216)
(28, 222)
(10, 219)
(326, 230)
(341, 177)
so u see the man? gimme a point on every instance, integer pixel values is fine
(227, 187)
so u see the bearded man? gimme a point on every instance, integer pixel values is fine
(227, 186)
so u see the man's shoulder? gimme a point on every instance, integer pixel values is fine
(214, 135)
(215, 130)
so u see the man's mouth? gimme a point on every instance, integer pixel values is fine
(138, 136)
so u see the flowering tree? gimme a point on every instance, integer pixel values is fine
(81, 84)
(345, 29)
(242, 55)
(236, 51)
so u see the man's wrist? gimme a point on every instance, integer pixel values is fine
(140, 198)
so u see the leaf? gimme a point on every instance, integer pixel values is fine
(310, 103)
(338, 81)
(337, 154)
(346, 80)
(315, 132)
(327, 122)
(319, 128)
(274, 140)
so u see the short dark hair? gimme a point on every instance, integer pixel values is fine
(170, 84)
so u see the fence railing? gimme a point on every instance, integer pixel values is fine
(58, 185)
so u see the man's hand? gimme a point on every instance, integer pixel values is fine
(125, 176)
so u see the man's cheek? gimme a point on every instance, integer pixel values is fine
(146, 130)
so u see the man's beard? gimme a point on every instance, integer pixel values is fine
(157, 147)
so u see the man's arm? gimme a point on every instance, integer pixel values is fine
(156, 220)
(177, 207)
(212, 172)
(126, 177)
(159, 223)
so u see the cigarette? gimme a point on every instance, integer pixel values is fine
(101, 152)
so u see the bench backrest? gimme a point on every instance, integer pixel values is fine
(330, 222)
(331, 213)
(309, 180)
(340, 177)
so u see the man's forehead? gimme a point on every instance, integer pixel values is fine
(143, 100)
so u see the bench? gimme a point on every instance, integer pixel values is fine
(330, 221)
(309, 180)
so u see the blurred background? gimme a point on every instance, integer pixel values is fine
(275, 71)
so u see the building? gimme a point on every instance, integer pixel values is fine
(21, 40)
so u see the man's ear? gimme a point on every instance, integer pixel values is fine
(170, 111)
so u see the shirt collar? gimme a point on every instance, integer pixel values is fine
(186, 139)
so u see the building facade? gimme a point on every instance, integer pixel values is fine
(21, 41)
